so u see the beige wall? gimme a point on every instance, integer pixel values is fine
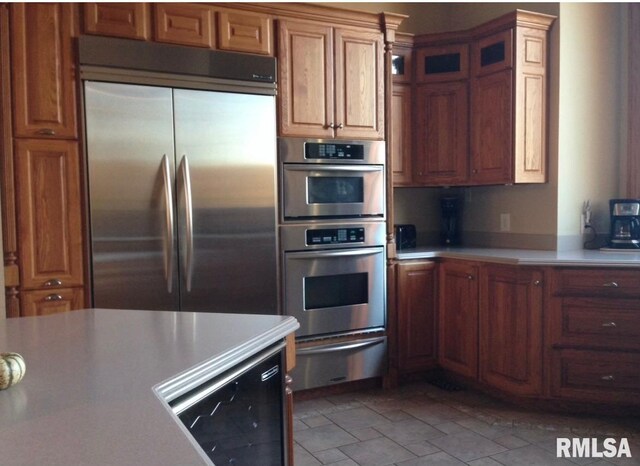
(592, 111)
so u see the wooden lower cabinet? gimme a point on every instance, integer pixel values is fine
(510, 329)
(458, 318)
(416, 310)
(45, 302)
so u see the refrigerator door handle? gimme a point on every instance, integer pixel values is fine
(168, 199)
(186, 186)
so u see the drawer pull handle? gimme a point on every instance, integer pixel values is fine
(53, 282)
(53, 297)
(608, 378)
(609, 324)
(47, 132)
(610, 285)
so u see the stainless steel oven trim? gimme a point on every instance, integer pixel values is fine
(291, 150)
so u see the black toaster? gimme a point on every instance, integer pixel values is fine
(405, 236)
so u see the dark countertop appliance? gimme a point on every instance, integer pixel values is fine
(625, 223)
(405, 236)
(451, 211)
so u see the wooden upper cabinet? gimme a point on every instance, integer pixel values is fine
(401, 155)
(243, 31)
(359, 84)
(441, 134)
(184, 24)
(442, 63)
(305, 78)
(458, 317)
(492, 128)
(493, 53)
(49, 213)
(128, 20)
(331, 81)
(43, 69)
(511, 328)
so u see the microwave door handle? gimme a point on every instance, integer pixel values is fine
(335, 253)
(333, 168)
(168, 199)
(339, 346)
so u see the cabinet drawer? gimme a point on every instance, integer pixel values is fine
(595, 376)
(45, 302)
(597, 323)
(596, 282)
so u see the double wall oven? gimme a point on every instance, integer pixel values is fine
(332, 236)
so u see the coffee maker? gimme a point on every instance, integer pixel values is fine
(625, 223)
(450, 231)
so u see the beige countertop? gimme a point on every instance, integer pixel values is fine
(577, 258)
(96, 382)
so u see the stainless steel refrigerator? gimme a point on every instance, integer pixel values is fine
(181, 198)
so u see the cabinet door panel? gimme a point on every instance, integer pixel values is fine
(242, 31)
(442, 149)
(416, 315)
(43, 70)
(442, 63)
(401, 129)
(184, 24)
(492, 129)
(305, 79)
(46, 302)
(458, 318)
(128, 20)
(511, 329)
(49, 212)
(359, 84)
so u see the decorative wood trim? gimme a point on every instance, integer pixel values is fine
(322, 13)
(633, 145)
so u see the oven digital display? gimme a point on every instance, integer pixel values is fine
(335, 236)
(318, 150)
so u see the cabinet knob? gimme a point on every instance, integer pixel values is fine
(608, 378)
(609, 324)
(469, 277)
(474, 171)
(340, 126)
(53, 282)
(537, 283)
(53, 297)
(331, 125)
(610, 285)
(47, 132)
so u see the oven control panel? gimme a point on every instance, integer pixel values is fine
(321, 150)
(335, 236)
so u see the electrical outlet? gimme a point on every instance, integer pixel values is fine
(505, 222)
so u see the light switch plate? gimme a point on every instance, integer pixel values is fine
(505, 222)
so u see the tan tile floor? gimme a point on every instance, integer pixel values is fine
(419, 424)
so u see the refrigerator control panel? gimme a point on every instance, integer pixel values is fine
(335, 236)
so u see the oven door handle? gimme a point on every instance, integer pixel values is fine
(340, 346)
(334, 253)
(333, 168)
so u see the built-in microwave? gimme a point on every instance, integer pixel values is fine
(325, 179)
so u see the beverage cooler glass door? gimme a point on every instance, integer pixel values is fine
(337, 290)
(316, 191)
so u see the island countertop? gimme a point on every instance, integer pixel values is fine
(577, 258)
(96, 379)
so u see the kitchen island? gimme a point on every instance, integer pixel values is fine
(98, 380)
